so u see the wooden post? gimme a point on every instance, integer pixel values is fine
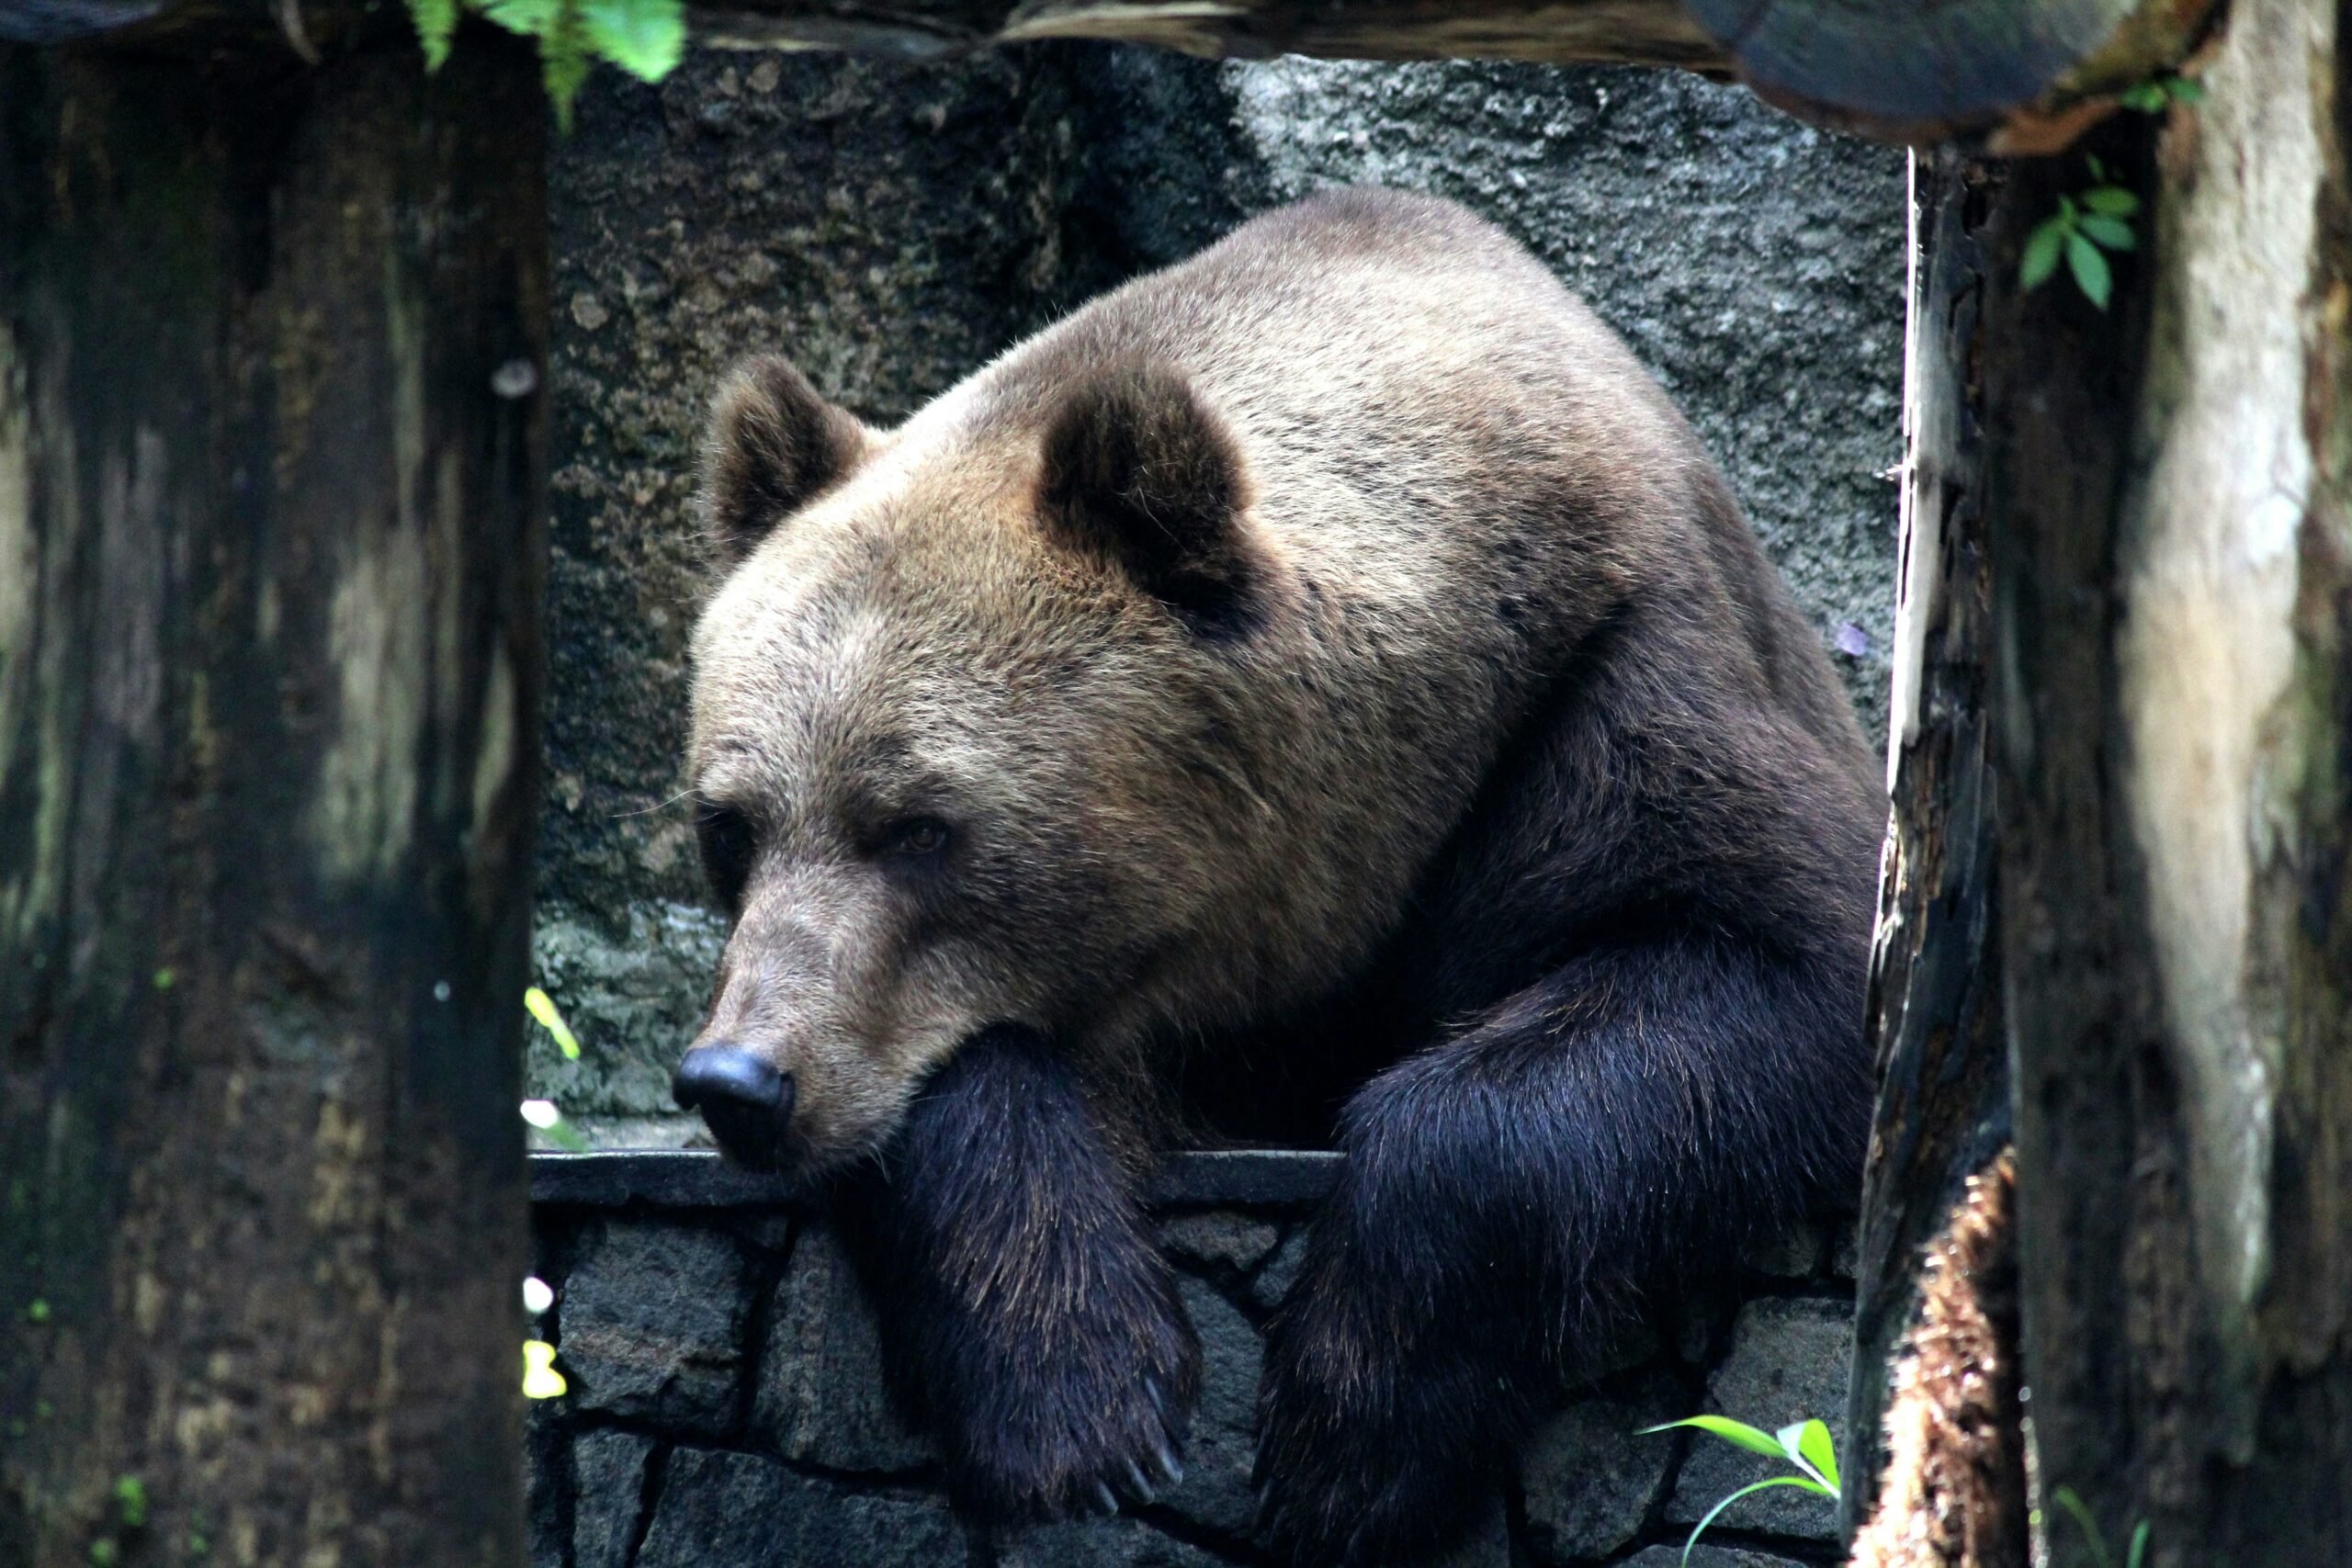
(272, 481)
(2161, 490)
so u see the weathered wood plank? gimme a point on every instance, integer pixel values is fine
(272, 485)
(1886, 68)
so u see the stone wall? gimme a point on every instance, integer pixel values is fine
(727, 1405)
(891, 227)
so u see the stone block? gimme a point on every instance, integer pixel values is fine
(1706, 1557)
(1787, 1361)
(1280, 1272)
(1098, 1543)
(545, 1517)
(730, 1510)
(1846, 1258)
(1590, 1478)
(1793, 1253)
(607, 1496)
(1216, 1492)
(1219, 1241)
(821, 1397)
(653, 1318)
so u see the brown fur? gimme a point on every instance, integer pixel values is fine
(1953, 1494)
(1321, 689)
(1286, 804)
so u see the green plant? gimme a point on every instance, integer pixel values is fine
(1804, 1445)
(644, 37)
(2084, 227)
(541, 1006)
(2155, 94)
(2066, 1497)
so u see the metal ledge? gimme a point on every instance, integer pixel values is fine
(698, 1178)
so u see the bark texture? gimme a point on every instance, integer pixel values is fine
(2163, 490)
(1935, 1009)
(271, 455)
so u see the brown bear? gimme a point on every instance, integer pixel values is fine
(1321, 688)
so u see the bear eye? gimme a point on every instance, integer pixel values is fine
(915, 836)
(727, 841)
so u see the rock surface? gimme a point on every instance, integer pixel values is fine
(719, 1510)
(653, 1323)
(608, 1496)
(821, 1397)
(891, 227)
(1590, 1478)
(1788, 1362)
(661, 1310)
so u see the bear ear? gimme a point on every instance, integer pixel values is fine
(773, 445)
(1136, 465)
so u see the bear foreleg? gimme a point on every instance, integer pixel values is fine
(1029, 1312)
(1509, 1195)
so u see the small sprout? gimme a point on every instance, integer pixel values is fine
(542, 1007)
(130, 1496)
(538, 1295)
(542, 1114)
(198, 1546)
(38, 1311)
(1805, 1445)
(105, 1554)
(164, 977)
(540, 1380)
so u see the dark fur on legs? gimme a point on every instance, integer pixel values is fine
(1029, 1314)
(1506, 1192)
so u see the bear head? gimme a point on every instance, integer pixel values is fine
(964, 749)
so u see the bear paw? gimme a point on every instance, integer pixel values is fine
(1078, 1421)
(1366, 1454)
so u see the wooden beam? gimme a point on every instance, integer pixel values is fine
(2025, 75)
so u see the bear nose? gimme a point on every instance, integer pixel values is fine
(746, 1103)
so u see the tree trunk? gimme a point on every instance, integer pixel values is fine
(272, 475)
(1935, 1007)
(2162, 494)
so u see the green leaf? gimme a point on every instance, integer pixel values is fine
(541, 1006)
(2112, 200)
(563, 59)
(2091, 270)
(436, 22)
(2185, 89)
(532, 19)
(131, 1494)
(1701, 1527)
(645, 38)
(1739, 1434)
(2099, 165)
(2145, 97)
(2138, 1552)
(2042, 248)
(2112, 233)
(1810, 1445)
(2069, 1499)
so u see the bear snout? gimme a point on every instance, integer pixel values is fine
(745, 1101)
